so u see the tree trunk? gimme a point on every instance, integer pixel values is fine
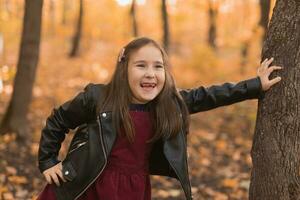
(265, 6)
(7, 7)
(247, 37)
(2, 50)
(77, 35)
(14, 119)
(166, 32)
(52, 17)
(244, 55)
(212, 31)
(65, 9)
(276, 145)
(133, 17)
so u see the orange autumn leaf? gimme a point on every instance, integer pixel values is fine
(221, 145)
(231, 183)
(18, 179)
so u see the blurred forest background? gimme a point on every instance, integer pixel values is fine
(209, 42)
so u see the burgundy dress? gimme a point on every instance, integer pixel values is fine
(126, 175)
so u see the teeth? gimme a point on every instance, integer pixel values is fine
(148, 85)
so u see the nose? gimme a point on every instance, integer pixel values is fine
(149, 72)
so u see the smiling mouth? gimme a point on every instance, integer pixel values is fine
(148, 85)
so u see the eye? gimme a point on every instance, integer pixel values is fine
(159, 66)
(140, 65)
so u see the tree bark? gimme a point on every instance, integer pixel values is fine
(265, 6)
(133, 17)
(166, 31)
(276, 145)
(78, 33)
(212, 31)
(14, 119)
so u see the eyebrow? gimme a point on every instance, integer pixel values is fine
(157, 62)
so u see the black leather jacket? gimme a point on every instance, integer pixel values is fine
(92, 148)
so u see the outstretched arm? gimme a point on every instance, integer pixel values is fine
(202, 98)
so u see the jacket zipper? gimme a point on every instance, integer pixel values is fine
(105, 156)
(77, 146)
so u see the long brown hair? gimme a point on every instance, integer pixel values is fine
(168, 111)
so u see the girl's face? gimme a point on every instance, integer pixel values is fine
(146, 74)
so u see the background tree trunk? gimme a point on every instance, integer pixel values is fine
(7, 7)
(276, 146)
(14, 119)
(78, 32)
(212, 31)
(244, 55)
(52, 17)
(2, 50)
(265, 6)
(166, 31)
(247, 38)
(133, 17)
(65, 9)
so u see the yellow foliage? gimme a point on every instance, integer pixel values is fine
(18, 179)
(203, 59)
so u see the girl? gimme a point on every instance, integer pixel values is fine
(133, 127)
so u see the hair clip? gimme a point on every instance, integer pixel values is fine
(121, 55)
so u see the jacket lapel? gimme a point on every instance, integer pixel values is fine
(109, 131)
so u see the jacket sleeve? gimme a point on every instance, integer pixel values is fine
(203, 99)
(67, 116)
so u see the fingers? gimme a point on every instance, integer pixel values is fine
(269, 61)
(55, 179)
(275, 80)
(272, 68)
(48, 178)
(264, 71)
(265, 64)
(276, 67)
(53, 174)
(61, 176)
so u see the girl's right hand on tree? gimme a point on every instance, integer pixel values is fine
(54, 173)
(264, 72)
